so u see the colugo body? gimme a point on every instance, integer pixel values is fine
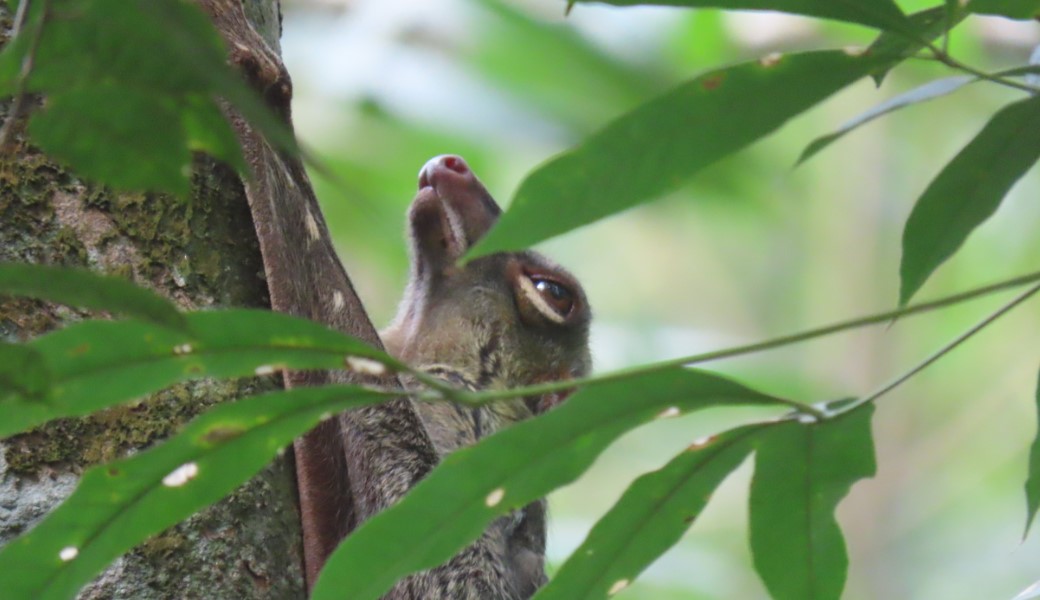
(500, 321)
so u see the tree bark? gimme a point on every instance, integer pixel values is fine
(352, 467)
(201, 253)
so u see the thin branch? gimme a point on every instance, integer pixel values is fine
(945, 58)
(941, 352)
(438, 388)
(17, 104)
(19, 17)
(884, 317)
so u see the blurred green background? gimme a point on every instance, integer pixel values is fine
(751, 248)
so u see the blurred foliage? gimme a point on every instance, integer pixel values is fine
(749, 248)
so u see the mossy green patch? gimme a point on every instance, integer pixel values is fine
(109, 434)
(70, 250)
(159, 548)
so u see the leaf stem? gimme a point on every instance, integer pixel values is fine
(441, 390)
(940, 352)
(945, 58)
(558, 386)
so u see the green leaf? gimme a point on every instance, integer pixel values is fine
(184, 25)
(967, 191)
(929, 24)
(1033, 481)
(883, 14)
(928, 91)
(128, 42)
(1031, 72)
(143, 147)
(82, 288)
(119, 505)
(659, 145)
(802, 471)
(453, 505)
(650, 517)
(952, 8)
(97, 364)
(122, 74)
(1015, 9)
(259, 115)
(207, 130)
(22, 372)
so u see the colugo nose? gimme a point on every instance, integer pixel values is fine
(445, 165)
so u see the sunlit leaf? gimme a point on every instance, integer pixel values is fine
(802, 471)
(505, 471)
(928, 91)
(119, 505)
(22, 372)
(84, 289)
(650, 518)
(96, 364)
(883, 14)
(1016, 9)
(967, 191)
(1033, 480)
(661, 144)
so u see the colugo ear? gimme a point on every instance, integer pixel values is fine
(450, 213)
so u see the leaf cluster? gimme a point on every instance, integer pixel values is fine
(130, 88)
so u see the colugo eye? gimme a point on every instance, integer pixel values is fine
(556, 295)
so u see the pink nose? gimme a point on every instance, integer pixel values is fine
(445, 165)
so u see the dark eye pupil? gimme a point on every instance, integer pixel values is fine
(558, 296)
(555, 289)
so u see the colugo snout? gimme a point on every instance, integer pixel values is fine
(500, 321)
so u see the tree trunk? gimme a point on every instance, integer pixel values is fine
(202, 253)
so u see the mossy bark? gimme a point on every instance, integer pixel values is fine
(201, 252)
